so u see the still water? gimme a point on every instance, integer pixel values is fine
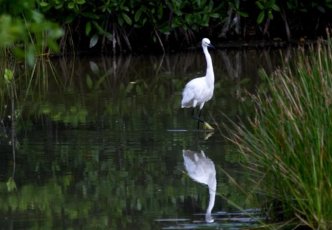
(103, 144)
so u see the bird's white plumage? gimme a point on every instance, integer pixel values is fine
(200, 90)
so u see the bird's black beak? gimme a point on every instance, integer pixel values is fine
(211, 46)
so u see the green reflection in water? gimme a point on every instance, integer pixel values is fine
(101, 140)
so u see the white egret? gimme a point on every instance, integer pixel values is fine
(201, 169)
(200, 90)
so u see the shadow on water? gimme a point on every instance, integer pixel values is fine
(201, 169)
(99, 143)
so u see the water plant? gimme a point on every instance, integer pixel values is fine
(287, 143)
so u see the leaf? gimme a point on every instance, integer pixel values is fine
(275, 7)
(81, 2)
(144, 21)
(53, 45)
(71, 5)
(160, 11)
(260, 17)
(243, 14)
(100, 30)
(45, 109)
(8, 75)
(99, 82)
(55, 33)
(11, 184)
(164, 28)
(90, 15)
(260, 5)
(93, 40)
(94, 67)
(37, 17)
(43, 4)
(87, 28)
(138, 14)
(89, 82)
(214, 15)
(126, 18)
(125, 8)
(270, 15)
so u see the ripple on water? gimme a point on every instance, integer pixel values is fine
(222, 220)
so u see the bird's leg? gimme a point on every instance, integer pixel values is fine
(199, 115)
(193, 113)
(199, 120)
(194, 117)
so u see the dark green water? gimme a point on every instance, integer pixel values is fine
(100, 140)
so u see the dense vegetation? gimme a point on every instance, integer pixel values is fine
(288, 144)
(132, 25)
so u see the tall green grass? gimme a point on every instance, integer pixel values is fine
(288, 142)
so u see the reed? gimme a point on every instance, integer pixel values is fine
(288, 141)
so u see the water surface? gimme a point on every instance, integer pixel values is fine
(100, 144)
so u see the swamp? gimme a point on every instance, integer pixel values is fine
(93, 136)
(99, 143)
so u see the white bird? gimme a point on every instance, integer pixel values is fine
(201, 169)
(200, 90)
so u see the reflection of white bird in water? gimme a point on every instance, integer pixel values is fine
(200, 90)
(201, 169)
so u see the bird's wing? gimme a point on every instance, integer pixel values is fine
(195, 86)
(188, 94)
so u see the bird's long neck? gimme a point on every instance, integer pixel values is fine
(209, 67)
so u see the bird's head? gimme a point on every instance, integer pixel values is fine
(206, 43)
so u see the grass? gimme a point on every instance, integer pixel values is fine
(288, 142)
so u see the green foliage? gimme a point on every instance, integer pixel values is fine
(120, 24)
(11, 30)
(288, 142)
(235, 5)
(24, 30)
(8, 75)
(105, 21)
(11, 184)
(192, 15)
(28, 31)
(266, 7)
